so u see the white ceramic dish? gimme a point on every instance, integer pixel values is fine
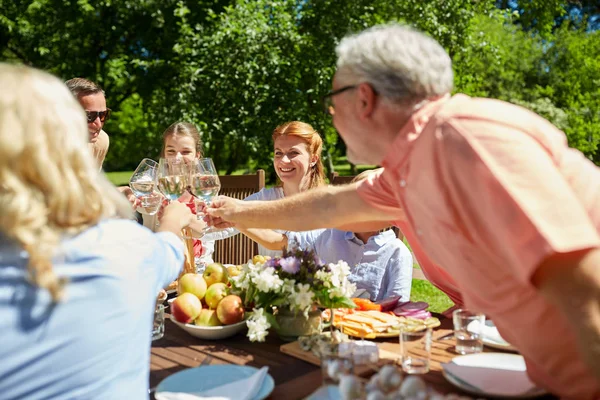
(211, 332)
(498, 375)
(492, 338)
(197, 380)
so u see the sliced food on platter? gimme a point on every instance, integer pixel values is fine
(377, 324)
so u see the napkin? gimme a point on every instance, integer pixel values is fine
(242, 389)
(492, 380)
(488, 332)
(491, 333)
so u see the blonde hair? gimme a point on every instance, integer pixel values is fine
(314, 145)
(183, 129)
(49, 181)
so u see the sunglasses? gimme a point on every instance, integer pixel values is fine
(92, 115)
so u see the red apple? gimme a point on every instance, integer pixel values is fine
(186, 307)
(214, 294)
(192, 283)
(215, 273)
(230, 310)
(207, 317)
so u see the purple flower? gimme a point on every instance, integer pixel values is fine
(273, 263)
(291, 265)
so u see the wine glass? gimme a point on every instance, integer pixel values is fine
(172, 176)
(143, 186)
(143, 180)
(204, 180)
(204, 184)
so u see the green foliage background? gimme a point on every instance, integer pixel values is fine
(239, 68)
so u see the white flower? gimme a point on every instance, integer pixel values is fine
(268, 281)
(302, 299)
(258, 326)
(241, 281)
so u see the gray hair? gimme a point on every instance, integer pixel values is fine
(399, 62)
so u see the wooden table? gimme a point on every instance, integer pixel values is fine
(294, 378)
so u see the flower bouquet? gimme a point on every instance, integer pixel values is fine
(298, 282)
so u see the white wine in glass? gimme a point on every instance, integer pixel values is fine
(143, 180)
(204, 179)
(172, 177)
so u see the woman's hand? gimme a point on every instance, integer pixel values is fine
(176, 216)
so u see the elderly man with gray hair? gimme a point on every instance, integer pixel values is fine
(486, 189)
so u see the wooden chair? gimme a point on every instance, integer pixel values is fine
(336, 179)
(238, 249)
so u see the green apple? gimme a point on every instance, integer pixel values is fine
(215, 273)
(192, 283)
(207, 317)
(186, 308)
(214, 294)
(230, 310)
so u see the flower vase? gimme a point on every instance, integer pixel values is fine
(294, 324)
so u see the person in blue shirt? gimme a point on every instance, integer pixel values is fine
(78, 277)
(380, 263)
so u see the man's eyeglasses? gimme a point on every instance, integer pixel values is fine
(92, 115)
(328, 104)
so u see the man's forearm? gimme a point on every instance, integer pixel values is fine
(318, 208)
(573, 285)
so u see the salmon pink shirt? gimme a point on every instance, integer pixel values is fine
(484, 192)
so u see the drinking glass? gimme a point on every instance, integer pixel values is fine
(158, 327)
(173, 176)
(468, 331)
(143, 180)
(204, 185)
(336, 360)
(415, 351)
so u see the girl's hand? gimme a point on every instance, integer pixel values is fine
(175, 217)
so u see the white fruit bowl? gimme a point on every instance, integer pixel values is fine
(210, 332)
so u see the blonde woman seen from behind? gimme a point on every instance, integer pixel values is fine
(78, 280)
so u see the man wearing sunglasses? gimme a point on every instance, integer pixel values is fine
(488, 191)
(91, 97)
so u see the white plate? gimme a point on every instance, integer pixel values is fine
(492, 374)
(492, 338)
(211, 332)
(197, 380)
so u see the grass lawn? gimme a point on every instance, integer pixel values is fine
(425, 291)
(120, 178)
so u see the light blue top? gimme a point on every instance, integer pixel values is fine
(95, 344)
(382, 266)
(268, 194)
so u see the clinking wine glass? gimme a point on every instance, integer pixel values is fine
(143, 186)
(143, 180)
(204, 183)
(173, 177)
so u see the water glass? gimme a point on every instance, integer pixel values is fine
(468, 331)
(158, 328)
(415, 351)
(336, 360)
